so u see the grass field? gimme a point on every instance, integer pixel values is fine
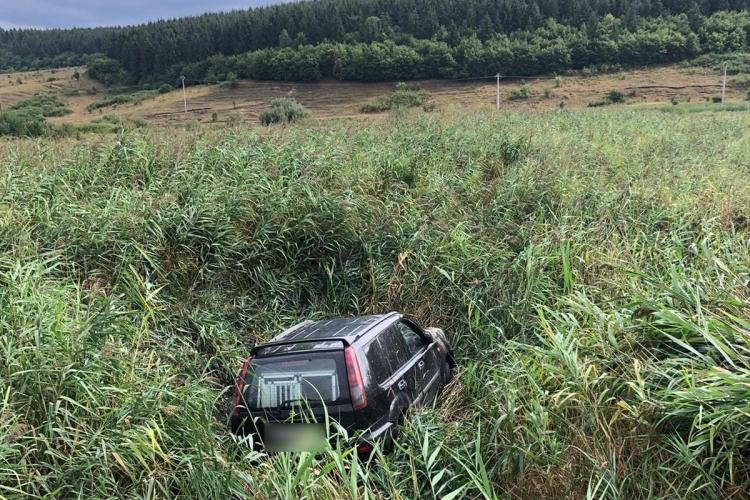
(590, 266)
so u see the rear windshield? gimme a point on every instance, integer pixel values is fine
(295, 380)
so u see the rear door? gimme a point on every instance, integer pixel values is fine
(298, 386)
(423, 356)
(388, 356)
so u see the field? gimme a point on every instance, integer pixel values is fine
(590, 265)
(334, 99)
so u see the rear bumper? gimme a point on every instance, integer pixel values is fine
(247, 425)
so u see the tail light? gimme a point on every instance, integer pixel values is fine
(240, 385)
(356, 386)
(364, 448)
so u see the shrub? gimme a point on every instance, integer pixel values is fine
(42, 105)
(107, 71)
(520, 94)
(134, 98)
(404, 96)
(615, 97)
(232, 80)
(165, 88)
(283, 110)
(21, 124)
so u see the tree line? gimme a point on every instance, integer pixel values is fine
(553, 47)
(391, 39)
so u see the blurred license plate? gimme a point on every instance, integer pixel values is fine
(294, 437)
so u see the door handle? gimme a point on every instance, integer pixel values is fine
(401, 385)
(421, 365)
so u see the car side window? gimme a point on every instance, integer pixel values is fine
(386, 354)
(414, 341)
(396, 350)
(377, 359)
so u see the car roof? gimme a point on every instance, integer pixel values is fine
(347, 330)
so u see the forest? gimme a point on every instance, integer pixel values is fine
(371, 40)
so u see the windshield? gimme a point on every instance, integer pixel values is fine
(307, 379)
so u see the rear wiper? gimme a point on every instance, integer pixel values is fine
(289, 402)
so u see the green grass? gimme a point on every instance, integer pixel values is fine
(591, 268)
(689, 108)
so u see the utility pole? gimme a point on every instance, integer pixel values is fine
(498, 91)
(724, 84)
(184, 95)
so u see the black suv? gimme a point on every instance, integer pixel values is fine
(363, 372)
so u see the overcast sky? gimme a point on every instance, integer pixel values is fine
(69, 13)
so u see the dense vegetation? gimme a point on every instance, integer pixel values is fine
(402, 97)
(26, 118)
(393, 39)
(283, 110)
(590, 266)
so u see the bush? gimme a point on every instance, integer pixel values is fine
(520, 94)
(43, 105)
(107, 71)
(21, 124)
(616, 97)
(283, 110)
(404, 96)
(134, 98)
(165, 88)
(232, 80)
(613, 97)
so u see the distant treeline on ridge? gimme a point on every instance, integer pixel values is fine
(371, 40)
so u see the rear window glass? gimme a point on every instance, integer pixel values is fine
(299, 347)
(296, 380)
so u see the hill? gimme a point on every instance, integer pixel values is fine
(383, 40)
(243, 102)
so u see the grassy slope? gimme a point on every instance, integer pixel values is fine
(591, 267)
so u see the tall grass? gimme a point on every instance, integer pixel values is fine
(591, 268)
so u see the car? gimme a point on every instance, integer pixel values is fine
(365, 373)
